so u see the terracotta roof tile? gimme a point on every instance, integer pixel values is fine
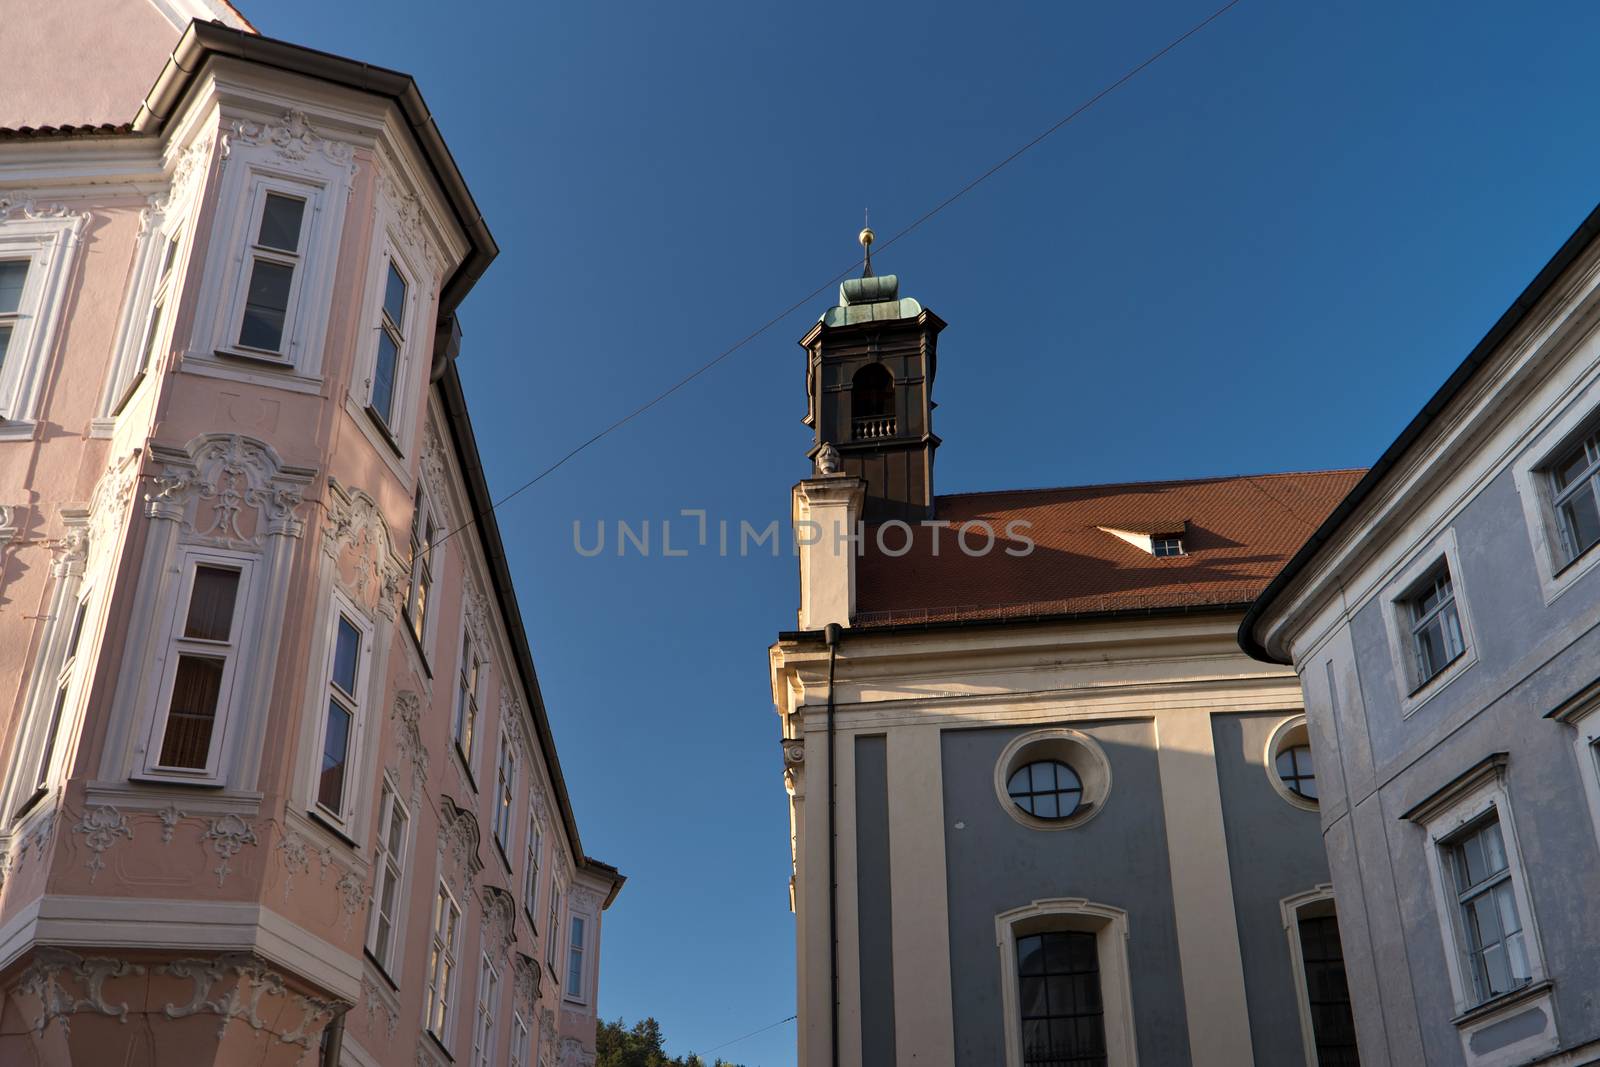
(1239, 531)
(24, 133)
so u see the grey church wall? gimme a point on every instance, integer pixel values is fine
(1274, 851)
(1117, 858)
(873, 901)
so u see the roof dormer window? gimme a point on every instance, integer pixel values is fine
(1166, 546)
(1160, 538)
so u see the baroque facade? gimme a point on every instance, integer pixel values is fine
(279, 784)
(1442, 622)
(1043, 810)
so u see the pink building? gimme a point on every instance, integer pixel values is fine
(279, 786)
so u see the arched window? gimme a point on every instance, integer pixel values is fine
(1065, 984)
(872, 403)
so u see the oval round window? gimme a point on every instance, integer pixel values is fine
(1296, 771)
(1046, 789)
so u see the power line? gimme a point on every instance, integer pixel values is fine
(752, 1033)
(1132, 73)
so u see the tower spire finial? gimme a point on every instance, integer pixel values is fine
(866, 237)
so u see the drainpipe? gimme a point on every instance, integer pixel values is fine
(832, 634)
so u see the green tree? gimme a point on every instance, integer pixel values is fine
(641, 1045)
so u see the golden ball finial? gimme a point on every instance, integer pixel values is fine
(866, 237)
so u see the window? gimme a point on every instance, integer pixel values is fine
(521, 1041)
(442, 964)
(1048, 789)
(1296, 772)
(483, 1029)
(155, 324)
(1495, 950)
(386, 921)
(424, 531)
(575, 959)
(37, 249)
(1436, 639)
(387, 363)
(1333, 1026)
(464, 728)
(551, 930)
(13, 279)
(1052, 779)
(872, 415)
(1573, 478)
(203, 652)
(342, 717)
(274, 256)
(505, 792)
(530, 887)
(1166, 546)
(60, 697)
(1063, 1019)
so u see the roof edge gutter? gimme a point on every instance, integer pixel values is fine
(1178, 611)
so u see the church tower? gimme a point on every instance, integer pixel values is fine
(869, 384)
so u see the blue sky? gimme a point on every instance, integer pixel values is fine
(1263, 254)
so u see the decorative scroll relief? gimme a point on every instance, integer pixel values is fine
(526, 977)
(24, 205)
(499, 921)
(586, 899)
(547, 1035)
(45, 979)
(407, 716)
(292, 137)
(192, 165)
(228, 491)
(108, 508)
(352, 895)
(378, 1008)
(435, 467)
(357, 538)
(12, 518)
(409, 219)
(101, 826)
(458, 839)
(228, 835)
(252, 983)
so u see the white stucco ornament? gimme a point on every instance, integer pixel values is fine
(829, 461)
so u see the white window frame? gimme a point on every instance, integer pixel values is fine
(397, 429)
(173, 644)
(147, 318)
(552, 935)
(357, 704)
(505, 795)
(444, 952)
(1442, 817)
(1291, 733)
(251, 251)
(49, 243)
(483, 1028)
(577, 947)
(1110, 927)
(530, 874)
(1413, 690)
(255, 168)
(1584, 717)
(391, 955)
(468, 693)
(521, 1041)
(1319, 901)
(56, 678)
(425, 526)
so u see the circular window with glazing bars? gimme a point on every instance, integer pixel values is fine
(1046, 789)
(1289, 764)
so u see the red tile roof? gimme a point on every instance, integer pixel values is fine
(23, 133)
(1238, 532)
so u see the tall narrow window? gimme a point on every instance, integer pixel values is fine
(343, 716)
(464, 729)
(575, 959)
(13, 278)
(551, 936)
(1495, 951)
(530, 883)
(66, 686)
(419, 597)
(391, 343)
(1333, 1026)
(205, 647)
(1435, 626)
(505, 793)
(442, 964)
(382, 939)
(488, 1000)
(521, 1041)
(275, 255)
(155, 322)
(872, 413)
(1063, 1020)
(1573, 478)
